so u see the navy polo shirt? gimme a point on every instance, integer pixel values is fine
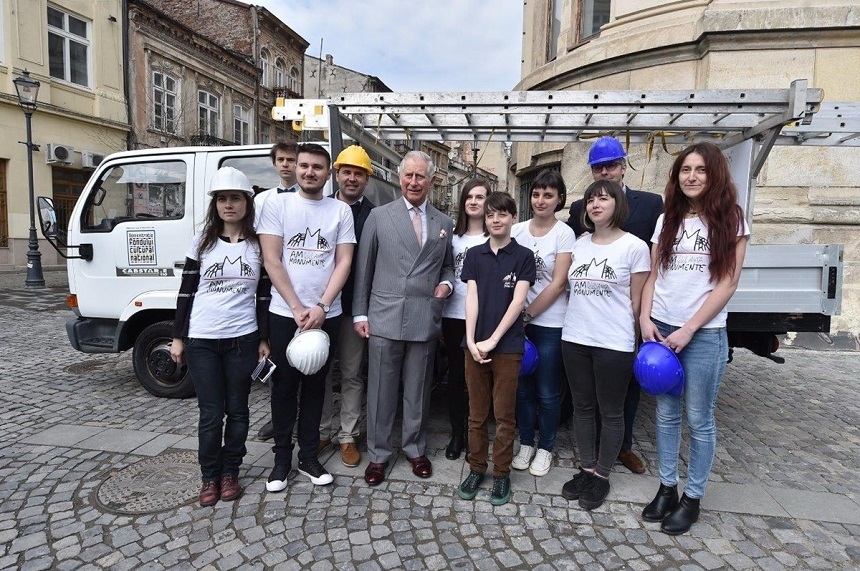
(496, 276)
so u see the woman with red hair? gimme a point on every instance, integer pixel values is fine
(696, 259)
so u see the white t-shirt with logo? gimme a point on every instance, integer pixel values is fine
(310, 229)
(455, 305)
(224, 304)
(681, 290)
(600, 311)
(557, 242)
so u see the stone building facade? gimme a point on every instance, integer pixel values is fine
(75, 50)
(804, 194)
(240, 58)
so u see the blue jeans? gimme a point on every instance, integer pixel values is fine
(221, 371)
(704, 361)
(538, 395)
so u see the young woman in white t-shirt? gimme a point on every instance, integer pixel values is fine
(696, 261)
(221, 329)
(469, 231)
(538, 394)
(609, 269)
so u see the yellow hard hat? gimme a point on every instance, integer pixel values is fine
(355, 156)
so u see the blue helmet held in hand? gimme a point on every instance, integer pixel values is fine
(604, 150)
(658, 370)
(530, 359)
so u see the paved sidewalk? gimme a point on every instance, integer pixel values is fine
(784, 492)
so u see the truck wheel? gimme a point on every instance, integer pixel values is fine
(152, 364)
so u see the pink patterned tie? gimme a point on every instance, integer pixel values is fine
(416, 223)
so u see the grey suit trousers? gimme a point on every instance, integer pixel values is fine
(390, 361)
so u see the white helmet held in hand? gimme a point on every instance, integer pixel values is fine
(308, 351)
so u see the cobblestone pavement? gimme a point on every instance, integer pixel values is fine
(784, 492)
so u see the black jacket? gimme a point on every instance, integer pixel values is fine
(360, 212)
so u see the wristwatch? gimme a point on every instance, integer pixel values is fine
(324, 307)
(527, 317)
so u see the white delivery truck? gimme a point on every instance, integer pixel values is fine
(128, 234)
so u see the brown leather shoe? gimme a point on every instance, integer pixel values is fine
(349, 455)
(631, 461)
(375, 473)
(230, 488)
(421, 467)
(323, 445)
(210, 492)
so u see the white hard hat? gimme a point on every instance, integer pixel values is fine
(308, 351)
(229, 178)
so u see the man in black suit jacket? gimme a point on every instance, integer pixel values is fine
(353, 173)
(609, 162)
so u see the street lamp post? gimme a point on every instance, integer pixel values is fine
(28, 92)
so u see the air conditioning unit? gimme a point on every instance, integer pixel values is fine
(90, 159)
(58, 153)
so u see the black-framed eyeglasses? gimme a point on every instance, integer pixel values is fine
(611, 166)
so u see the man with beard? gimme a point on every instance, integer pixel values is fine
(353, 173)
(308, 240)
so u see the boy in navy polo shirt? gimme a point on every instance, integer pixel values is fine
(498, 275)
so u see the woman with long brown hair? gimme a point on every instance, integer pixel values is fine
(696, 259)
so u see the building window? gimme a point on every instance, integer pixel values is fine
(264, 65)
(592, 15)
(4, 214)
(554, 29)
(280, 73)
(294, 80)
(207, 113)
(241, 125)
(68, 47)
(67, 187)
(163, 102)
(265, 131)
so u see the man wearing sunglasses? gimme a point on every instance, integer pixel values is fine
(608, 161)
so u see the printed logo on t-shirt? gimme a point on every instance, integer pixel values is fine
(540, 268)
(458, 264)
(692, 252)
(510, 280)
(593, 278)
(223, 276)
(308, 248)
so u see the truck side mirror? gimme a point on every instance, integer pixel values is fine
(47, 217)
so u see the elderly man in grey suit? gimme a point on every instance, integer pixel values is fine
(404, 271)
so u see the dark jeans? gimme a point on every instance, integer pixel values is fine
(597, 377)
(538, 395)
(631, 407)
(221, 371)
(453, 331)
(492, 387)
(288, 402)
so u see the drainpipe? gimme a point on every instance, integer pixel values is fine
(129, 137)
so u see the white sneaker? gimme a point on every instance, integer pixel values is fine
(541, 464)
(523, 458)
(278, 478)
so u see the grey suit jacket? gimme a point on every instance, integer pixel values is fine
(394, 279)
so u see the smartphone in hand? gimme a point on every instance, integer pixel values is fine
(264, 370)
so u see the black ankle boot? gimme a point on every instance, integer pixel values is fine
(664, 502)
(455, 446)
(682, 518)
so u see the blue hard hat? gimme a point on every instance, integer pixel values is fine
(604, 150)
(658, 370)
(530, 359)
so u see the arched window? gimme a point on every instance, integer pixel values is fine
(280, 73)
(264, 64)
(294, 80)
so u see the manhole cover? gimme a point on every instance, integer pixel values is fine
(151, 485)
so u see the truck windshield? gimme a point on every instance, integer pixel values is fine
(136, 191)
